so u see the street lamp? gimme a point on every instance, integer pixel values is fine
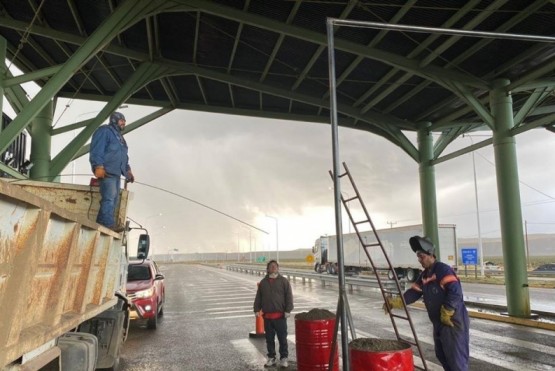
(277, 235)
(477, 212)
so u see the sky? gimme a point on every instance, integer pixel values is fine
(252, 168)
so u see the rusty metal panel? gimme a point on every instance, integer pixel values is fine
(57, 267)
(79, 199)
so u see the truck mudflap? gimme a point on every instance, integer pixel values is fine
(57, 268)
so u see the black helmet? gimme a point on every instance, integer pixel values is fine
(423, 244)
(115, 117)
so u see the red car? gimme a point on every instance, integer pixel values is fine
(146, 291)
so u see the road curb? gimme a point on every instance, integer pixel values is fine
(503, 318)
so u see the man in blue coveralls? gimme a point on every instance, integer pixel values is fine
(109, 160)
(443, 298)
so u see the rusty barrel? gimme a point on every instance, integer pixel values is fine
(380, 355)
(313, 340)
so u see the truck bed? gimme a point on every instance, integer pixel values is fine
(57, 266)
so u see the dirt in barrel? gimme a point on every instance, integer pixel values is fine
(315, 314)
(377, 345)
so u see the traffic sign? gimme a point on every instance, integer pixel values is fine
(469, 256)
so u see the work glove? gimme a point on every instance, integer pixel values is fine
(392, 303)
(130, 177)
(258, 314)
(445, 316)
(286, 315)
(99, 172)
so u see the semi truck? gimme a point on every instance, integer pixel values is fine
(396, 245)
(62, 278)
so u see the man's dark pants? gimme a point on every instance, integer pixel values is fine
(279, 327)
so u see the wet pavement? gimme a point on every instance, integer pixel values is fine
(208, 317)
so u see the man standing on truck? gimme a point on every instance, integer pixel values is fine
(109, 160)
(274, 301)
(444, 302)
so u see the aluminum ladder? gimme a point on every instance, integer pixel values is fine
(386, 292)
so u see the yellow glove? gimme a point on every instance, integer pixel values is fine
(445, 316)
(99, 172)
(392, 303)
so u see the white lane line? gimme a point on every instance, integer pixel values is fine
(244, 307)
(226, 297)
(512, 341)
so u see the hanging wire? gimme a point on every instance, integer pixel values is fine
(26, 33)
(159, 189)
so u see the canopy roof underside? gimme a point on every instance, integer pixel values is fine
(269, 58)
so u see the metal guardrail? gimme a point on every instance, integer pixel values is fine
(323, 278)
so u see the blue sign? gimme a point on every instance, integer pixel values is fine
(469, 256)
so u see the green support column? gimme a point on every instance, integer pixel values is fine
(510, 213)
(41, 143)
(3, 45)
(428, 185)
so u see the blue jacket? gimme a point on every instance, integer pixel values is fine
(108, 148)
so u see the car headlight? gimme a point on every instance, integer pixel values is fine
(145, 293)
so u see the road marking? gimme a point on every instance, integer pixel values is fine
(513, 341)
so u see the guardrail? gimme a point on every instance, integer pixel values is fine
(323, 278)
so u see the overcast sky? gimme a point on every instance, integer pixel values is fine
(249, 168)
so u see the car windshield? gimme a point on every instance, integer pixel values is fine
(138, 272)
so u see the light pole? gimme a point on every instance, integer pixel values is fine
(477, 212)
(146, 226)
(277, 235)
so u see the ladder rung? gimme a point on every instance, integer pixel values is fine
(362, 221)
(398, 316)
(342, 175)
(407, 341)
(391, 292)
(372, 244)
(350, 199)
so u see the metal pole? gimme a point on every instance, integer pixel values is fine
(444, 31)
(277, 235)
(526, 242)
(480, 246)
(337, 194)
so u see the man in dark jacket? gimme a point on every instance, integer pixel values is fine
(443, 298)
(274, 301)
(109, 161)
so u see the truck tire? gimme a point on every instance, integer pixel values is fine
(317, 268)
(412, 274)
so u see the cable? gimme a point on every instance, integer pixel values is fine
(201, 204)
(159, 189)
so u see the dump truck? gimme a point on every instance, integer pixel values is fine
(62, 278)
(396, 245)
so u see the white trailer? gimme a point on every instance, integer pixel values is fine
(396, 245)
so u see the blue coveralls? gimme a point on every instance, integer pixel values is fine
(440, 286)
(109, 149)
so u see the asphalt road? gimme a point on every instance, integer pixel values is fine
(208, 317)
